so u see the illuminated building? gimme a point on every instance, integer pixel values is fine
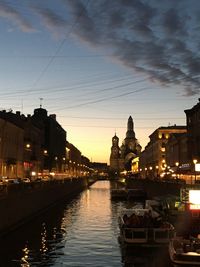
(152, 162)
(121, 157)
(21, 145)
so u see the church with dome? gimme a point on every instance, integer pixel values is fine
(121, 157)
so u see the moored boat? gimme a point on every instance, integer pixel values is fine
(144, 227)
(185, 251)
(128, 194)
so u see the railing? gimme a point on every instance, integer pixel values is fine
(147, 235)
(135, 235)
(163, 235)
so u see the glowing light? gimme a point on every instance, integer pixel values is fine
(197, 167)
(194, 197)
(194, 207)
(194, 161)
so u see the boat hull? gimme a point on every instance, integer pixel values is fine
(184, 255)
(146, 237)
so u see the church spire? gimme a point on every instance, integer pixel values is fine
(130, 124)
(130, 131)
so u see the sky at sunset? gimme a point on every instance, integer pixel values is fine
(94, 63)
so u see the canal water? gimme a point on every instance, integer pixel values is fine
(82, 232)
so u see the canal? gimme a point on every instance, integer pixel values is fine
(82, 232)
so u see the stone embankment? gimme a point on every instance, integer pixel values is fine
(156, 188)
(21, 202)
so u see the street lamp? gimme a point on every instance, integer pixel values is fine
(157, 167)
(177, 164)
(145, 172)
(150, 171)
(195, 161)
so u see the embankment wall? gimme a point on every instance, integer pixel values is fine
(155, 188)
(21, 202)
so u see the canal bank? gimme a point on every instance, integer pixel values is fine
(21, 202)
(155, 188)
(77, 233)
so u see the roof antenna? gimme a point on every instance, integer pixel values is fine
(41, 102)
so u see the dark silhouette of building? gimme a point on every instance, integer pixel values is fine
(115, 154)
(193, 131)
(121, 157)
(54, 147)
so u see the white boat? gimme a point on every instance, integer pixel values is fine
(185, 251)
(144, 227)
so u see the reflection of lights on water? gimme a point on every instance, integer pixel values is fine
(44, 248)
(54, 233)
(25, 257)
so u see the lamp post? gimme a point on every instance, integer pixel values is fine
(177, 164)
(145, 172)
(157, 167)
(150, 171)
(194, 161)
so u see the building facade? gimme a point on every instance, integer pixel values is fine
(21, 145)
(11, 149)
(153, 162)
(193, 132)
(121, 158)
(36, 145)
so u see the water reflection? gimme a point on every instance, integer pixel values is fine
(83, 232)
(25, 257)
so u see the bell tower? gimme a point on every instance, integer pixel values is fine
(115, 154)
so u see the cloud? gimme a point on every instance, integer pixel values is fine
(8, 12)
(146, 36)
(157, 38)
(50, 19)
